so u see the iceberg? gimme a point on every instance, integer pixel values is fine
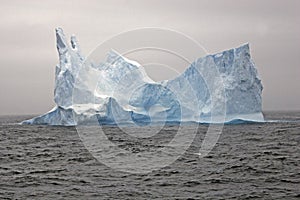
(118, 90)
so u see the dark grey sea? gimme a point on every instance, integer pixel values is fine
(249, 161)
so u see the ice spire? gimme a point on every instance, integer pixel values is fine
(61, 42)
(74, 44)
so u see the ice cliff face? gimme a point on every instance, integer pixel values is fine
(119, 90)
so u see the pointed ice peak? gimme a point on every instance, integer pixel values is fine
(61, 42)
(244, 47)
(113, 56)
(74, 43)
(243, 50)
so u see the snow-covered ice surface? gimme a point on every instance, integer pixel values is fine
(118, 90)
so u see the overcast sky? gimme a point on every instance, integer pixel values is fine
(28, 53)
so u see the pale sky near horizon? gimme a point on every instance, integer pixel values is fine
(28, 51)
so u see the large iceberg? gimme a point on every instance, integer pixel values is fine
(118, 90)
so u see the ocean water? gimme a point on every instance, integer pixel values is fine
(250, 161)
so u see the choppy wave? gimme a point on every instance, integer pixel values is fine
(260, 160)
